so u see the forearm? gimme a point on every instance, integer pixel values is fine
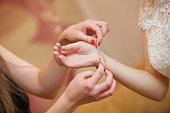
(141, 81)
(62, 105)
(44, 82)
(51, 77)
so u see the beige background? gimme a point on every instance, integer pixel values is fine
(19, 26)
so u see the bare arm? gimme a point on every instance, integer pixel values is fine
(44, 82)
(84, 88)
(62, 105)
(47, 80)
(141, 81)
(147, 82)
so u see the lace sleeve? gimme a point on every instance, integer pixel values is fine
(156, 22)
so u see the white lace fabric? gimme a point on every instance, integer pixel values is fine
(155, 20)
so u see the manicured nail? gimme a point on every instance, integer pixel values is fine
(93, 42)
(99, 43)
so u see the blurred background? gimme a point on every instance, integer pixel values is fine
(29, 28)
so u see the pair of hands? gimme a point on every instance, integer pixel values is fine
(84, 88)
(89, 31)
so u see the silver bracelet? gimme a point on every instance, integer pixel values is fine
(101, 56)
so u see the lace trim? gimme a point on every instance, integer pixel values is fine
(156, 21)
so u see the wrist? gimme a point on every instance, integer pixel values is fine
(71, 104)
(63, 105)
(102, 58)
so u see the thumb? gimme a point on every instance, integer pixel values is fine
(72, 46)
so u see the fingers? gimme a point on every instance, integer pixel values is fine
(63, 60)
(57, 53)
(107, 83)
(86, 74)
(68, 63)
(88, 39)
(57, 47)
(98, 32)
(77, 61)
(105, 27)
(101, 28)
(72, 46)
(97, 75)
(108, 92)
(99, 88)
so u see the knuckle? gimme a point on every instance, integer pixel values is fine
(108, 86)
(92, 95)
(106, 24)
(110, 93)
(78, 76)
(108, 28)
(79, 79)
(96, 61)
(88, 86)
(81, 84)
(100, 72)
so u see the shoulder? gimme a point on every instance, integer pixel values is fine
(156, 57)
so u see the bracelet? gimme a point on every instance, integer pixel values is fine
(101, 55)
(102, 58)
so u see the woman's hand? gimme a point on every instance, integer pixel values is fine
(87, 31)
(76, 55)
(84, 88)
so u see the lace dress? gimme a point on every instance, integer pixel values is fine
(155, 20)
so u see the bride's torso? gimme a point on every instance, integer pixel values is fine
(155, 20)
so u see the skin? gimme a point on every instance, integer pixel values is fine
(47, 81)
(52, 71)
(87, 31)
(24, 73)
(75, 53)
(87, 90)
(87, 87)
(147, 82)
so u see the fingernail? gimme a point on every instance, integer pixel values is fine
(99, 44)
(93, 42)
(55, 47)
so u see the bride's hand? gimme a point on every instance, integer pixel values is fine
(76, 55)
